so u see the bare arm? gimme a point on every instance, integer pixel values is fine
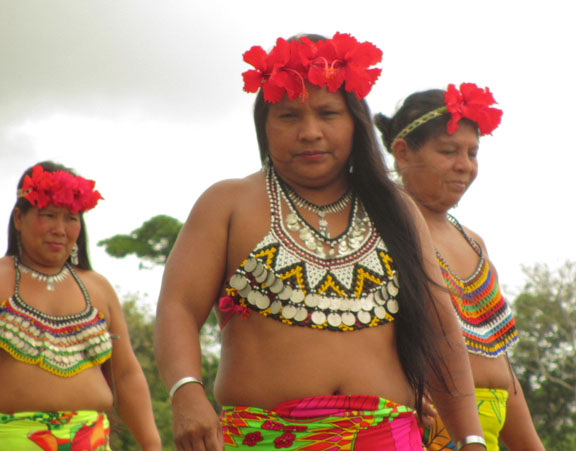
(519, 432)
(133, 404)
(457, 407)
(191, 284)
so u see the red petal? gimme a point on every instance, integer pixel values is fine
(252, 80)
(257, 57)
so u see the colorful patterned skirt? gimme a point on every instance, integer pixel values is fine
(323, 423)
(82, 430)
(492, 412)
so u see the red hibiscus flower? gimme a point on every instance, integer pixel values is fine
(474, 103)
(61, 189)
(334, 62)
(343, 59)
(253, 438)
(277, 72)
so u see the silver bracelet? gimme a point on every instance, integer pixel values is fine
(184, 381)
(471, 440)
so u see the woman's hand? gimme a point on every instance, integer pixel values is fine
(195, 425)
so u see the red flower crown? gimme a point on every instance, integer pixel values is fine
(334, 62)
(470, 102)
(59, 188)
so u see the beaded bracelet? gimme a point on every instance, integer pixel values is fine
(470, 440)
(184, 381)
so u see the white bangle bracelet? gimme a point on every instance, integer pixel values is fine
(184, 381)
(470, 440)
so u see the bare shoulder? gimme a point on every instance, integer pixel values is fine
(475, 237)
(102, 294)
(7, 277)
(413, 210)
(6, 265)
(226, 193)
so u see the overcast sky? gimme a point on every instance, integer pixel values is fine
(145, 97)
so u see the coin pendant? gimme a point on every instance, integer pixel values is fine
(318, 318)
(364, 317)
(392, 306)
(301, 314)
(250, 265)
(348, 319)
(288, 311)
(334, 319)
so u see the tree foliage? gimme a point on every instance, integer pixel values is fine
(545, 357)
(151, 242)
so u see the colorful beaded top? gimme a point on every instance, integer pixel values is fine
(62, 345)
(353, 287)
(484, 315)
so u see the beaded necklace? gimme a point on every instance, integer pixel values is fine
(49, 279)
(484, 315)
(290, 282)
(351, 240)
(320, 210)
(62, 345)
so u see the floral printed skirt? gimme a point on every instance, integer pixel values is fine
(323, 423)
(492, 412)
(83, 430)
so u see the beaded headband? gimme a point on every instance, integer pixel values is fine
(334, 62)
(470, 102)
(59, 188)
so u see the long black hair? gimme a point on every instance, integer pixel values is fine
(24, 205)
(416, 337)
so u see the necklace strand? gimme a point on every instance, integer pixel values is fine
(359, 229)
(320, 210)
(48, 279)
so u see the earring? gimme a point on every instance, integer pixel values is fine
(74, 255)
(350, 164)
(18, 245)
(266, 163)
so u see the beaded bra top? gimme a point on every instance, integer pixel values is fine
(62, 345)
(352, 288)
(484, 315)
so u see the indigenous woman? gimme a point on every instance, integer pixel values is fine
(434, 140)
(325, 275)
(61, 325)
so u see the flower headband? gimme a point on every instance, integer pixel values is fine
(470, 102)
(334, 62)
(59, 188)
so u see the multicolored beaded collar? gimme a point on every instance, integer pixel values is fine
(291, 278)
(61, 345)
(484, 315)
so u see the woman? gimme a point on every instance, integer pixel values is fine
(60, 326)
(324, 290)
(434, 139)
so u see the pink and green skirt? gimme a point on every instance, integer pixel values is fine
(82, 430)
(323, 423)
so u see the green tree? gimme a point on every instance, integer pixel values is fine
(545, 357)
(152, 243)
